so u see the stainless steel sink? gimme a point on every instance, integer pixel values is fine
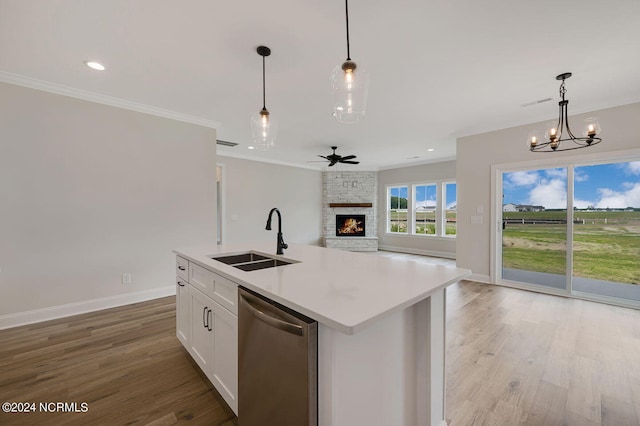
(233, 259)
(251, 261)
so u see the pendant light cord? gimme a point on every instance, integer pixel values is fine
(346, 9)
(264, 102)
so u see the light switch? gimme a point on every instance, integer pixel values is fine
(479, 209)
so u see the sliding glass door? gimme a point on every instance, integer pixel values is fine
(534, 230)
(594, 250)
(606, 230)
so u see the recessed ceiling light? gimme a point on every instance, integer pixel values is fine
(94, 65)
(251, 147)
(430, 150)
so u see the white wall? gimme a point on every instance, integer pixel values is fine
(252, 188)
(476, 154)
(433, 246)
(88, 192)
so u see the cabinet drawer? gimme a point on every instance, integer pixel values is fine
(225, 292)
(182, 268)
(201, 278)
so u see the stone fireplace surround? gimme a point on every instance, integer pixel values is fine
(348, 188)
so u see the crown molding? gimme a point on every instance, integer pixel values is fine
(227, 153)
(86, 95)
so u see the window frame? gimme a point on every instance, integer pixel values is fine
(388, 209)
(440, 211)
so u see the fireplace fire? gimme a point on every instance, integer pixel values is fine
(350, 225)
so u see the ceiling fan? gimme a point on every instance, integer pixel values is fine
(335, 158)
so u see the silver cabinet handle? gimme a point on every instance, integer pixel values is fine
(182, 268)
(180, 284)
(274, 322)
(209, 320)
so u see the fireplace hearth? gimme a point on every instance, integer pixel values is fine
(350, 225)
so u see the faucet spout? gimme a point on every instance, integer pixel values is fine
(281, 245)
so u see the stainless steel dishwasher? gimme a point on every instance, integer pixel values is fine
(277, 364)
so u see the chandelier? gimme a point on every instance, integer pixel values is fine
(350, 86)
(554, 135)
(263, 126)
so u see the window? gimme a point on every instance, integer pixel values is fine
(450, 208)
(422, 209)
(397, 209)
(424, 206)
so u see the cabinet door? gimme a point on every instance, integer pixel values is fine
(225, 355)
(183, 312)
(201, 344)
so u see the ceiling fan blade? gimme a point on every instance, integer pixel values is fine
(333, 163)
(349, 157)
(322, 156)
(350, 162)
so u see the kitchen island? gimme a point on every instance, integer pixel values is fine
(381, 326)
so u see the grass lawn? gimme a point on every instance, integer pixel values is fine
(606, 245)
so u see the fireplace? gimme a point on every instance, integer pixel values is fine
(350, 225)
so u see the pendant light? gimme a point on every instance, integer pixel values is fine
(554, 136)
(350, 86)
(263, 126)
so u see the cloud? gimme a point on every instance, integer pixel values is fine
(633, 168)
(616, 200)
(580, 176)
(552, 194)
(556, 173)
(523, 178)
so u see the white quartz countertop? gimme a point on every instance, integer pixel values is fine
(340, 289)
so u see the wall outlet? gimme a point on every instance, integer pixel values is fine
(126, 278)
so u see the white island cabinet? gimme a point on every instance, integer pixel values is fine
(207, 325)
(381, 327)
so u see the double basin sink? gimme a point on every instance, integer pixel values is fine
(252, 261)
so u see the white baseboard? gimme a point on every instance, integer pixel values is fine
(431, 253)
(69, 309)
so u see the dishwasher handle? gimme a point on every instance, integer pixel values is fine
(269, 320)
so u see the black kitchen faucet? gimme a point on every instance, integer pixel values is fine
(281, 244)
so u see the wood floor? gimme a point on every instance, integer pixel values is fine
(513, 358)
(125, 363)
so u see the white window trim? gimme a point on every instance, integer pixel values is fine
(440, 185)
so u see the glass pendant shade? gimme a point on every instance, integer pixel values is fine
(350, 88)
(534, 139)
(591, 127)
(264, 129)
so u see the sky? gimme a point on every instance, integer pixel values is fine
(601, 186)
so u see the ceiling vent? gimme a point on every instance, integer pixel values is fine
(539, 101)
(226, 143)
